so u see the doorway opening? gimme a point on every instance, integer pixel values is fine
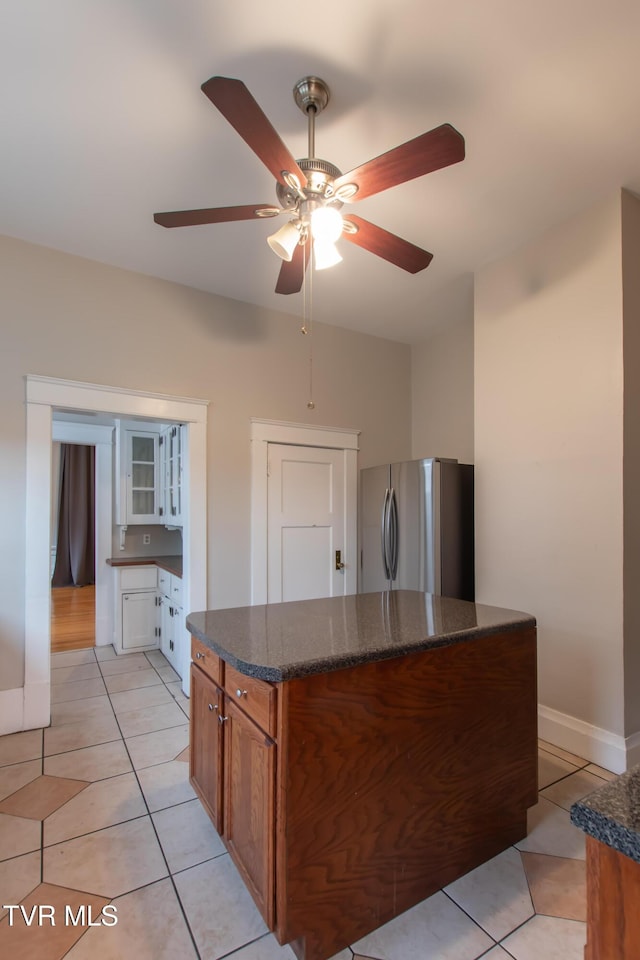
(73, 562)
(45, 395)
(73, 618)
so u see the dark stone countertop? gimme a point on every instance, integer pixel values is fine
(611, 814)
(172, 564)
(280, 641)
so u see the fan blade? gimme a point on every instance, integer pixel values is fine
(190, 218)
(387, 245)
(431, 151)
(292, 272)
(237, 105)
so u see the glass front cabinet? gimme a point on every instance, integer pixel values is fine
(149, 466)
(138, 473)
(172, 447)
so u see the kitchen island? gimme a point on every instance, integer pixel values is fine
(358, 753)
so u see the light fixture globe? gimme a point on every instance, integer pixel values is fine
(326, 225)
(284, 241)
(325, 254)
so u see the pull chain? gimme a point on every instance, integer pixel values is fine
(307, 312)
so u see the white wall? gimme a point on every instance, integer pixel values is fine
(549, 461)
(631, 306)
(442, 390)
(70, 318)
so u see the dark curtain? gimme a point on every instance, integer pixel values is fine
(75, 553)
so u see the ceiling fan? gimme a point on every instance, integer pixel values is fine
(311, 192)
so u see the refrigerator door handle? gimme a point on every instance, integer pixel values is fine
(384, 524)
(393, 535)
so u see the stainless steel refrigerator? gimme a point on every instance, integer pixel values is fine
(416, 528)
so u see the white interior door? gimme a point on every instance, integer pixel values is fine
(305, 522)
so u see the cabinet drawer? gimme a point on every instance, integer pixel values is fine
(207, 660)
(256, 697)
(164, 582)
(176, 589)
(138, 578)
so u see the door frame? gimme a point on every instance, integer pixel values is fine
(264, 432)
(43, 394)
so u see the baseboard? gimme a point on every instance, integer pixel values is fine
(25, 708)
(609, 750)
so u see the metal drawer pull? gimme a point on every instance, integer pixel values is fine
(241, 693)
(199, 656)
(213, 706)
(221, 719)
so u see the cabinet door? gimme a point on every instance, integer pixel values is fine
(143, 477)
(166, 627)
(175, 457)
(205, 754)
(139, 620)
(171, 455)
(175, 645)
(249, 805)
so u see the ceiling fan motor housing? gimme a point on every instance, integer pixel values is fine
(320, 176)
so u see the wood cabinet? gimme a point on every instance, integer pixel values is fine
(205, 754)
(233, 769)
(350, 796)
(249, 812)
(613, 904)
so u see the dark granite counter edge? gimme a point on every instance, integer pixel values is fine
(343, 660)
(166, 563)
(606, 830)
(602, 814)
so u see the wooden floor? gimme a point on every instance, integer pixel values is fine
(73, 618)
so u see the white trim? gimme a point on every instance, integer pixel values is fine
(264, 432)
(65, 394)
(304, 434)
(608, 750)
(88, 434)
(11, 710)
(101, 437)
(43, 394)
(37, 707)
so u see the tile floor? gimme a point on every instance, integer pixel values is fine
(96, 810)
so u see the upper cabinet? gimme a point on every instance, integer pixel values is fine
(172, 447)
(149, 474)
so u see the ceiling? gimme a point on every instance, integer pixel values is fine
(104, 123)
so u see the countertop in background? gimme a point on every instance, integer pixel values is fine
(172, 564)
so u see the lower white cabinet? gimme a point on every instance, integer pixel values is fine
(136, 610)
(139, 620)
(149, 613)
(171, 619)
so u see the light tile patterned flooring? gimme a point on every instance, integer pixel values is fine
(97, 809)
